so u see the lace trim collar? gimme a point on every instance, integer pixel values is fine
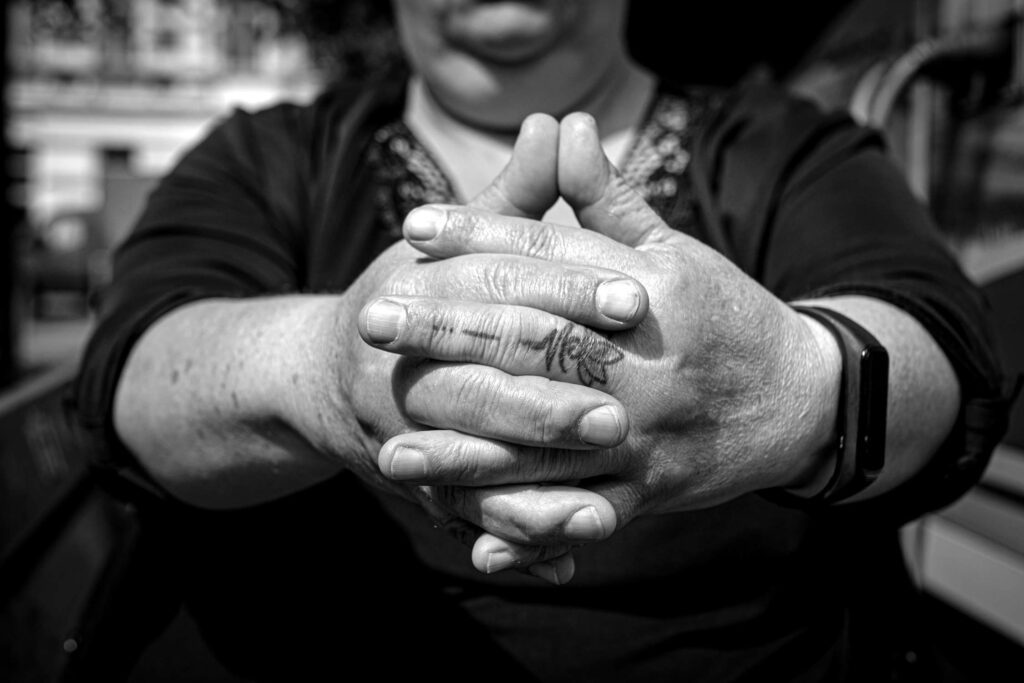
(408, 175)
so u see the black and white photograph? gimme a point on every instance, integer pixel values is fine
(517, 341)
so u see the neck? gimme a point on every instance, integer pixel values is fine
(471, 154)
(615, 101)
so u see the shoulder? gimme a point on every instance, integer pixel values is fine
(761, 119)
(756, 145)
(305, 131)
(757, 98)
(758, 138)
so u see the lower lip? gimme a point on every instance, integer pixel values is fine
(503, 32)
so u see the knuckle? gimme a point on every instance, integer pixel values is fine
(394, 283)
(525, 410)
(532, 529)
(463, 465)
(500, 279)
(519, 280)
(554, 421)
(404, 282)
(511, 329)
(537, 241)
(478, 391)
(434, 325)
(485, 337)
(460, 225)
(557, 464)
(575, 289)
(457, 500)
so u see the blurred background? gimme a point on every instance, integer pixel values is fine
(100, 98)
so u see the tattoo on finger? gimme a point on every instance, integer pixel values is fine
(573, 347)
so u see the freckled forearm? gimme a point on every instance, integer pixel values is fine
(216, 399)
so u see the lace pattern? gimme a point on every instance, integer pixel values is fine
(655, 167)
(407, 176)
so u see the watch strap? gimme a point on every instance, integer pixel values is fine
(861, 414)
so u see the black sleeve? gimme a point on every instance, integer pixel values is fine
(811, 205)
(225, 222)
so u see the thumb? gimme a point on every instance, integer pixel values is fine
(527, 186)
(593, 187)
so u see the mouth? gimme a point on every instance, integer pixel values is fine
(506, 32)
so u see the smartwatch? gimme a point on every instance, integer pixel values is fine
(861, 417)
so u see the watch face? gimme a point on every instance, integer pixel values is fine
(873, 402)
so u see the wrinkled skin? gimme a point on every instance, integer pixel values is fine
(392, 394)
(708, 397)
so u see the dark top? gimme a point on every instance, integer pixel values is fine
(302, 198)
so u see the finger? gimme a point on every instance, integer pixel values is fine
(441, 456)
(516, 339)
(532, 514)
(601, 198)
(446, 230)
(558, 571)
(445, 520)
(554, 564)
(592, 296)
(528, 410)
(527, 186)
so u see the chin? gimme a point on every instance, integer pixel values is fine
(497, 96)
(488, 95)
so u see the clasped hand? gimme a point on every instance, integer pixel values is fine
(569, 380)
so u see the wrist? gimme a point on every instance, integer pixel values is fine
(312, 385)
(861, 414)
(815, 461)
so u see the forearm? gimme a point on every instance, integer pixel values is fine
(924, 393)
(232, 402)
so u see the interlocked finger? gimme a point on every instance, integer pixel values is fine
(516, 339)
(595, 297)
(443, 231)
(553, 563)
(526, 410)
(490, 554)
(527, 186)
(449, 457)
(601, 198)
(532, 514)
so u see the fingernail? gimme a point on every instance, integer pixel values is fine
(499, 560)
(546, 572)
(558, 571)
(565, 568)
(618, 299)
(600, 427)
(384, 320)
(585, 525)
(424, 223)
(408, 463)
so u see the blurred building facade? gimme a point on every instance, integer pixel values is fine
(103, 95)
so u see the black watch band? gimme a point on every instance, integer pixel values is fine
(861, 418)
